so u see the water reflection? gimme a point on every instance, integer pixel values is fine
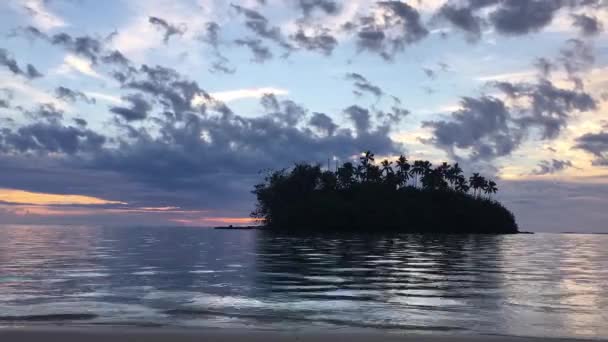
(541, 285)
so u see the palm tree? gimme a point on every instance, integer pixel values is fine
(403, 168)
(461, 184)
(367, 160)
(416, 170)
(491, 188)
(453, 174)
(346, 175)
(477, 183)
(386, 167)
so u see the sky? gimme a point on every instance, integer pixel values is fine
(159, 112)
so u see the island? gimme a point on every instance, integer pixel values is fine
(376, 197)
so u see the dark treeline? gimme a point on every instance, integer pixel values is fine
(399, 196)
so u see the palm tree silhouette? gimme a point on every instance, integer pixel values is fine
(416, 170)
(477, 183)
(453, 174)
(403, 168)
(490, 188)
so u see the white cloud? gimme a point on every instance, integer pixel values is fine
(74, 63)
(28, 94)
(41, 16)
(104, 97)
(239, 94)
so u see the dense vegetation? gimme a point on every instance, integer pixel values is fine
(403, 197)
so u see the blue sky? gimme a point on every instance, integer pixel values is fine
(137, 156)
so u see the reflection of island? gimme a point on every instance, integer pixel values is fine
(408, 198)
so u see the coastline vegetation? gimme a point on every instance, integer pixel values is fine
(390, 196)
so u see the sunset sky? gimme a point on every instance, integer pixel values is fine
(159, 112)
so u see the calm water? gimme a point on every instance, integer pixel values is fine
(533, 285)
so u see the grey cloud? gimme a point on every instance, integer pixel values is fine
(321, 41)
(115, 57)
(30, 72)
(362, 85)
(260, 52)
(596, 144)
(326, 6)
(170, 29)
(513, 17)
(212, 37)
(360, 117)
(430, 73)
(70, 95)
(588, 25)
(524, 16)
(51, 138)
(552, 166)
(323, 123)
(398, 18)
(138, 111)
(287, 111)
(462, 18)
(550, 106)
(80, 122)
(259, 25)
(85, 46)
(482, 125)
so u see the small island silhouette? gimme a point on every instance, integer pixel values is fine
(399, 196)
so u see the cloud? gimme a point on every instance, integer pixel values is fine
(394, 26)
(512, 17)
(323, 123)
(104, 97)
(551, 166)
(138, 111)
(70, 95)
(51, 137)
(462, 18)
(362, 85)
(320, 40)
(260, 52)
(588, 25)
(596, 144)
(482, 126)
(170, 29)
(258, 24)
(42, 16)
(325, 6)
(239, 94)
(81, 65)
(6, 60)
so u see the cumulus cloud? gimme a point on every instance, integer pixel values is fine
(395, 25)
(362, 85)
(169, 29)
(588, 25)
(551, 166)
(9, 62)
(70, 95)
(325, 6)
(319, 40)
(597, 145)
(261, 53)
(514, 17)
(259, 24)
(138, 110)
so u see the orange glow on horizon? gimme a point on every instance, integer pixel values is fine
(219, 220)
(38, 198)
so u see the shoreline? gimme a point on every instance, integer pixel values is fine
(131, 334)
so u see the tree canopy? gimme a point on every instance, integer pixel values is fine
(390, 195)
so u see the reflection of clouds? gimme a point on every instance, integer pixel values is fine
(554, 285)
